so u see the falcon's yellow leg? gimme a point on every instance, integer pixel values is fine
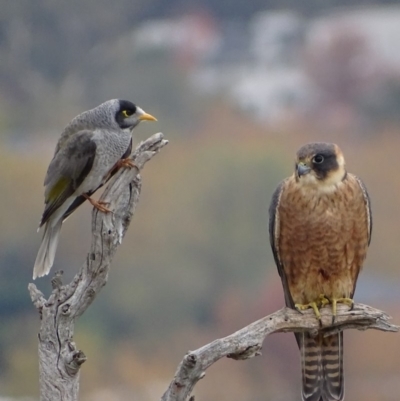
(312, 305)
(335, 301)
(323, 300)
(316, 306)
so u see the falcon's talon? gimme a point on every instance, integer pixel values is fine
(348, 301)
(312, 305)
(324, 300)
(316, 305)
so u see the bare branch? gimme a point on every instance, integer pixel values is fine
(247, 342)
(59, 358)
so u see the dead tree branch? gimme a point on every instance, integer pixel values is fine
(247, 342)
(59, 358)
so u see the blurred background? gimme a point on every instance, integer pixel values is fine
(237, 87)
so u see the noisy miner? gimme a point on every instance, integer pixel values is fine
(92, 146)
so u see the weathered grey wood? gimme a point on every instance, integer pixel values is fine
(247, 342)
(59, 357)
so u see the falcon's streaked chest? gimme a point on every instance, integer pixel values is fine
(323, 238)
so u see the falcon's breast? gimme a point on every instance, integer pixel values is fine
(322, 238)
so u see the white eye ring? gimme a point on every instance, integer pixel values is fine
(318, 159)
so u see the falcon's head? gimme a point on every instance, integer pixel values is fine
(320, 165)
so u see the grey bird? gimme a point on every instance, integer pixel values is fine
(90, 150)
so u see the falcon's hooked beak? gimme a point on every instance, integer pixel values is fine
(302, 169)
(143, 116)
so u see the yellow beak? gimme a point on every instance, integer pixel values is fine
(147, 117)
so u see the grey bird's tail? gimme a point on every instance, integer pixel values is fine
(322, 367)
(47, 250)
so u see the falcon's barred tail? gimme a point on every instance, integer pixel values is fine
(332, 365)
(311, 367)
(47, 250)
(322, 367)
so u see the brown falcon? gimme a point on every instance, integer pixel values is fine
(320, 229)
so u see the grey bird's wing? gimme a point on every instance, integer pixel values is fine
(81, 199)
(69, 167)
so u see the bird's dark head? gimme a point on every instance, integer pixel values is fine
(320, 164)
(128, 115)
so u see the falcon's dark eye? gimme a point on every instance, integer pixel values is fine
(318, 159)
(127, 112)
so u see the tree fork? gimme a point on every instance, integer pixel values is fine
(59, 357)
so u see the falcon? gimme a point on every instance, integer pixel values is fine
(320, 228)
(90, 150)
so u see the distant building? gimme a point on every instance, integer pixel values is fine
(257, 65)
(379, 26)
(191, 38)
(276, 37)
(269, 94)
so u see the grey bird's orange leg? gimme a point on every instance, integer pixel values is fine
(98, 205)
(126, 163)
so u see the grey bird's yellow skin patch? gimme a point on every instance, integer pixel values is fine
(320, 228)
